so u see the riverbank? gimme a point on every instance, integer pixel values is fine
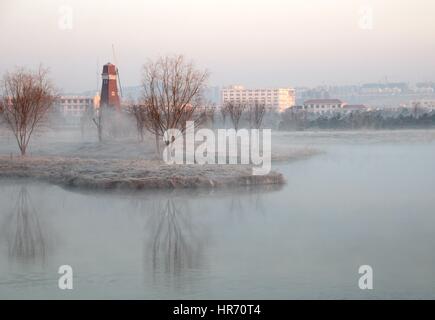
(130, 174)
(68, 161)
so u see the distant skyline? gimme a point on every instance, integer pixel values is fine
(254, 43)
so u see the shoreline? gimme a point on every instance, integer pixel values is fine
(131, 174)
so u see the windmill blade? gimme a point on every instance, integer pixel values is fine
(117, 71)
(119, 81)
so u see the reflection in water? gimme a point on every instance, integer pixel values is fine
(24, 235)
(300, 248)
(239, 207)
(173, 244)
(259, 204)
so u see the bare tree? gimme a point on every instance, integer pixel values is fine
(106, 121)
(235, 111)
(224, 113)
(25, 100)
(256, 114)
(139, 113)
(210, 114)
(206, 114)
(98, 121)
(172, 91)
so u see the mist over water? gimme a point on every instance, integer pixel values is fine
(367, 200)
(343, 91)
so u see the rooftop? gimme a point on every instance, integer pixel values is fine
(323, 101)
(354, 106)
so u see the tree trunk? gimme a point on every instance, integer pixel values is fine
(141, 134)
(23, 150)
(157, 145)
(100, 133)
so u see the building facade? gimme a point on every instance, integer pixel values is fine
(277, 99)
(426, 104)
(73, 108)
(323, 105)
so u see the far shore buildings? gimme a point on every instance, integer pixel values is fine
(73, 107)
(276, 99)
(329, 106)
(323, 105)
(426, 104)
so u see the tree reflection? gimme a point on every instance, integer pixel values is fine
(251, 202)
(24, 234)
(173, 244)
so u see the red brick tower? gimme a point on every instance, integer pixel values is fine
(109, 88)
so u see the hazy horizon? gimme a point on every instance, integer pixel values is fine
(255, 43)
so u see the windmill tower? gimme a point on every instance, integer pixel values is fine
(109, 88)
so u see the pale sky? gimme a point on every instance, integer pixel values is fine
(257, 43)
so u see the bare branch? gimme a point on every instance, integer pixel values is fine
(256, 114)
(172, 93)
(25, 100)
(235, 111)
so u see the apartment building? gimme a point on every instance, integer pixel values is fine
(277, 99)
(428, 104)
(323, 105)
(72, 108)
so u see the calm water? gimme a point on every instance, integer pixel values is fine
(365, 203)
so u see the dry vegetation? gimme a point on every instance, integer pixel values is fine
(130, 174)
